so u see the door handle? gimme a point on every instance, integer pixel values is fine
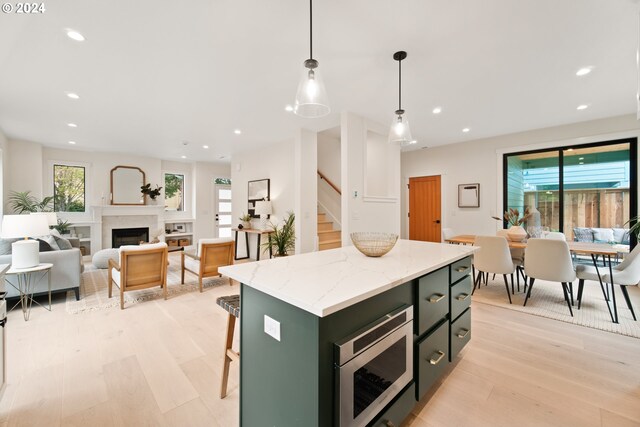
(437, 221)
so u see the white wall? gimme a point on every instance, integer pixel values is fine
(275, 162)
(305, 190)
(481, 161)
(205, 174)
(25, 168)
(330, 165)
(360, 213)
(4, 188)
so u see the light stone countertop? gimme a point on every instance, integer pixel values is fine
(325, 282)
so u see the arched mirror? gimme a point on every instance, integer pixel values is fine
(125, 185)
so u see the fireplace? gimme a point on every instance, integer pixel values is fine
(129, 236)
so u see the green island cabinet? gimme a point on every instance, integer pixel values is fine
(292, 381)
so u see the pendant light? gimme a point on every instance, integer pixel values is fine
(400, 134)
(311, 98)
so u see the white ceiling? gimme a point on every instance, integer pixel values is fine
(154, 73)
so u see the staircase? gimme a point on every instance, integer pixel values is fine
(328, 238)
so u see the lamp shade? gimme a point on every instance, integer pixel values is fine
(22, 226)
(400, 133)
(311, 99)
(52, 217)
(263, 207)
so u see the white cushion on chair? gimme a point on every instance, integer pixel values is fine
(588, 272)
(192, 264)
(115, 275)
(212, 240)
(494, 255)
(134, 248)
(101, 258)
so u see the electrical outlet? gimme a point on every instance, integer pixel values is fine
(272, 327)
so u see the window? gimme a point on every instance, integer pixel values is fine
(575, 188)
(225, 181)
(68, 188)
(173, 192)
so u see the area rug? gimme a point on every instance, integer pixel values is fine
(94, 291)
(547, 300)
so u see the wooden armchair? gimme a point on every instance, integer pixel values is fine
(140, 267)
(211, 254)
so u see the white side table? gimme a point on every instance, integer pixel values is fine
(26, 278)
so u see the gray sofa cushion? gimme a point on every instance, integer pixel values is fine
(583, 234)
(44, 246)
(5, 246)
(602, 234)
(62, 243)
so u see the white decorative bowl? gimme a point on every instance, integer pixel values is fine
(374, 244)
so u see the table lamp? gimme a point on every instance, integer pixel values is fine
(52, 217)
(263, 208)
(24, 253)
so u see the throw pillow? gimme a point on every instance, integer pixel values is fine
(51, 241)
(55, 233)
(603, 234)
(44, 246)
(63, 243)
(583, 234)
(5, 246)
(621, 235)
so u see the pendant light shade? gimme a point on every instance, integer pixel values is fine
(400, 133)
(311, 98)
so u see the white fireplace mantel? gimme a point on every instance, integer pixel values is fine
(121, 210)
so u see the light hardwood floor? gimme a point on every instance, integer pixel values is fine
(157, 363)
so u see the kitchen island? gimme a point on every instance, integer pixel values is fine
(297, 309)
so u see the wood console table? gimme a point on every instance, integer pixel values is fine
(246, 232)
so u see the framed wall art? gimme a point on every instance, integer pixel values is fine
(257, 190)
(469, 195)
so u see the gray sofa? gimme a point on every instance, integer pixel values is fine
(65, 273)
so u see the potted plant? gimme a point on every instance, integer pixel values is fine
(246, 220)
(62, 226)
(283, 238)
(22, 202)
(148, 191)
(516, 232)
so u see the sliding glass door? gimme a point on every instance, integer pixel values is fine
(576, 188)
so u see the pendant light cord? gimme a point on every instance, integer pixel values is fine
(310, 29)
(400, 84)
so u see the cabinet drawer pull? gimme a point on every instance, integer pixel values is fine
(463, 333)
(437, 359)
(463, 268)
(388, 423)
(435, 298)
(462, 297)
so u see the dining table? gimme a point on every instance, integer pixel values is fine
(592, 249)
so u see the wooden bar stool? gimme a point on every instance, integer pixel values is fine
(231, 304)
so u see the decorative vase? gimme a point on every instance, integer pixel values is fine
(516, 233)
(246, 224)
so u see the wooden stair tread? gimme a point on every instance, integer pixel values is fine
(331, 241)
(327, 231)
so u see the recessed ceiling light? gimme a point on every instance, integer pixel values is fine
(583, 71)
(581, 163)
(72, 142)
(288, 108)
(582, 107)
(580, 158)
(237, 131)
(437, 110)
(72, 125)
(183, 157)
(73, 95)
(205, 146)
(465, 130)
(74, 35)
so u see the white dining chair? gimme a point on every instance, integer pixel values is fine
(549, 259)
(555, 235)
(447, 233)
(627, 273)
(493, 257)
(517, 256)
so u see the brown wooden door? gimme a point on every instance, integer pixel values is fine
(424, 209)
